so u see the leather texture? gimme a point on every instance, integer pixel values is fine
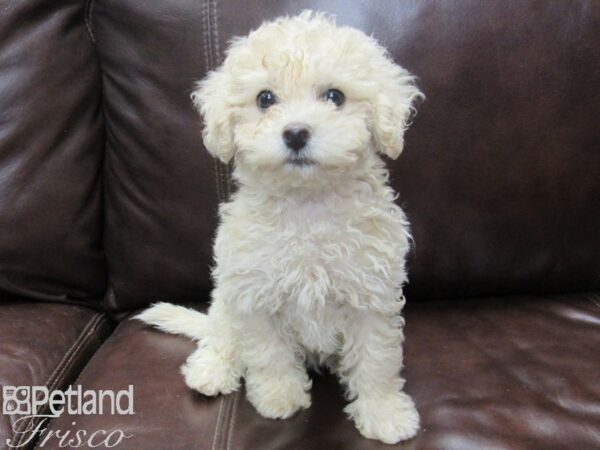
(495, 373)
(51, 150)
(43, 344)
(500, 173)
(161, 196)
(168, 415)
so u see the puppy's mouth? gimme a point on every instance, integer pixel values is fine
(300, 161)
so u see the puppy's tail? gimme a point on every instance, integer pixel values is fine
(176, 319)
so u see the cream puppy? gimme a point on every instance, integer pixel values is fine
(310, 252)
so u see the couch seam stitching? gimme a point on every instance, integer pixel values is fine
(232, 420)
(227, 404)
(217, 426)
(53, 380)
(86, 365)
(206, 32)
(89, 23)
(104, 319)
(86, 338)
(225, 175)
(94, 356)
(88, 14)
(58, 368)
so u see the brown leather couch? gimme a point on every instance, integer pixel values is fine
(108, 202)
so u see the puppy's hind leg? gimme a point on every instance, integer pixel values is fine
(215, 367)
(370, 367)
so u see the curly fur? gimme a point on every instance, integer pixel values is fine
(310, 260)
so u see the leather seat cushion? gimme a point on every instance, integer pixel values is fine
(518, 372)
(44, 344)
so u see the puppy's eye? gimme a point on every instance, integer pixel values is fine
(265, 99)
(334, 95)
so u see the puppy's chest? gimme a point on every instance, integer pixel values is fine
(307, 256)
(315, 246)
(317, 254)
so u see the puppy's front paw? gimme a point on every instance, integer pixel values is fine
(389, 420)
(210, 374)
(278, 397)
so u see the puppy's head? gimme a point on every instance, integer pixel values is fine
(301, 96)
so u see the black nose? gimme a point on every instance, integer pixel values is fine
(295, 136)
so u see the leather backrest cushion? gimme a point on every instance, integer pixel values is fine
(51, 150)
(500, 176)
(161, 192)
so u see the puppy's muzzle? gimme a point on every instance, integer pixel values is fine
(295, 136)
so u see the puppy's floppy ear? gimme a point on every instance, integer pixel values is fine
(394, 106)
(210, 99)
